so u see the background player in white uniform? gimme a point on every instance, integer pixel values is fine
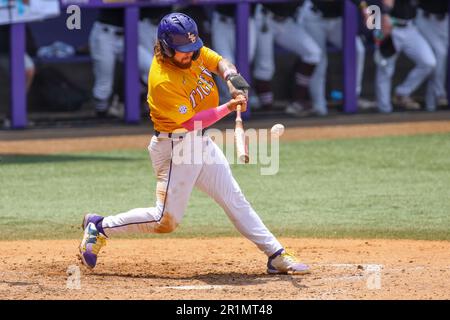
(106, 43)
(223, 40)
(269, 24)
(279, 26)
(183, 95)
(322, 19)
(432, 22)
(398, 24)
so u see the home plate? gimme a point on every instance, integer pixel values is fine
(207, 287)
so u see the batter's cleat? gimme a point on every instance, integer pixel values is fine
(365, 104)
(92, 242)
(296, 109)
(442, 102)
(406, 102)
(282, 262)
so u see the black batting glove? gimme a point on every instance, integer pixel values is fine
(237, 85)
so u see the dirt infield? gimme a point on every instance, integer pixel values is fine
(224, 268)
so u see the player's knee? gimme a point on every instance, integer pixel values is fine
(265, 74)
(167, 224)
(440, 52)
(428, 64)
(313, 56)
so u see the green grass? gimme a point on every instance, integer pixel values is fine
(391, 187)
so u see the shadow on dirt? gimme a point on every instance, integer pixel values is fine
(233, 278)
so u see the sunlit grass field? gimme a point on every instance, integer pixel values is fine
(390, 187)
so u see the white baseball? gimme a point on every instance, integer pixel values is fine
(277, 130)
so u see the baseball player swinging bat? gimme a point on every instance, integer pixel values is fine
(179, 47)
(241, 146)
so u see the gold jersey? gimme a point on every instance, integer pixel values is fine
(175, 95)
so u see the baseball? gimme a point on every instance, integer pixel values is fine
(277, 130)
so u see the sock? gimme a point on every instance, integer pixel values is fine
(99, 226)
(101, 105)
(264, 91)
(98, 220)
(303, 73)
(276, 254)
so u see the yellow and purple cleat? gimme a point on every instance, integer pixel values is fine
(282, 262)
(93, 240)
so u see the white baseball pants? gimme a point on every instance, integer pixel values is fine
(410, 41)
(180, 165)
(223, 38)
(323, 30)
(436, 33)
(106, 47)
(289, 35)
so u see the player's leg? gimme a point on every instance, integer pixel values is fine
(252, 36)
(309, 55)
(440, 48)
(263, 63)
(436, 33)
(361, 57)
(175, 180)
(223, 39)
(222, 36)
(385, 67)
(102, 43)
(145, 61)
(383, 83)
(316, 27)
(334, 36)
(417, 49)
(441, 44)
(217, 181)
(147, 34)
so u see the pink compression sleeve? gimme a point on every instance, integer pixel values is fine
(206, 118)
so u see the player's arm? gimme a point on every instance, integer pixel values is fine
(236, 83)
(208, 117)
(226, 70)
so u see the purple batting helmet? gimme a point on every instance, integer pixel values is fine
(179, 32)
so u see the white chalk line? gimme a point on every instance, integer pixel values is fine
(195, 287)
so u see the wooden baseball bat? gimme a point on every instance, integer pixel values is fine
(239, 135)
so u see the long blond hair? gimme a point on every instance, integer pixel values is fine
(158, 51)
